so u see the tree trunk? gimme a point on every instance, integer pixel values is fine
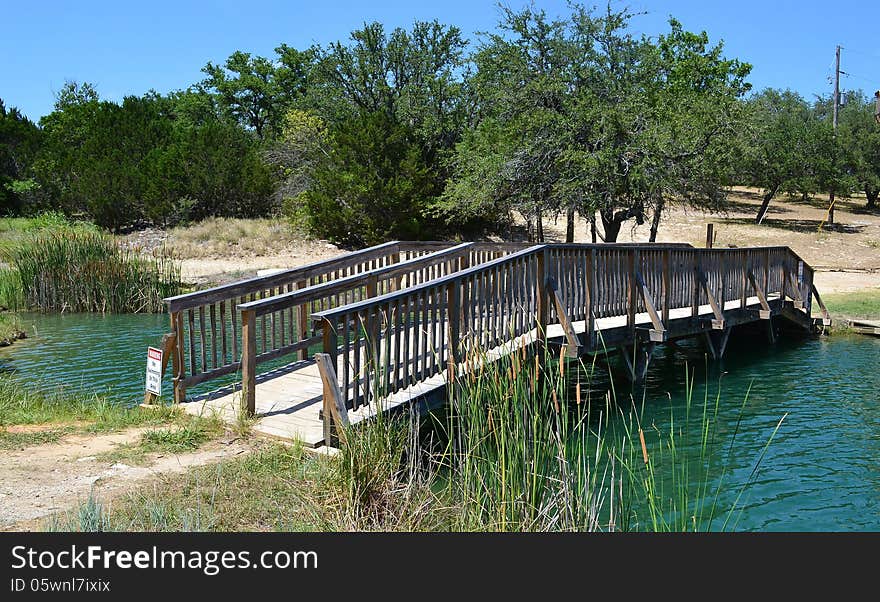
(871, 194)
(593, 227)
(765, 204)
(611, 223)
(539, 227)
(569, 225)
(655, 221)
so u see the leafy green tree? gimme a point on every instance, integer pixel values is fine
(215, 169)
(784, 147)
(859, 136)
(19, 143)
(374, 184)
(512, 158)
(587, 117)
(406, 86)
(256, 91)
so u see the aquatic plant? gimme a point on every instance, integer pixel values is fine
(84, 271)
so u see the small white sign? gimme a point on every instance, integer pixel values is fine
(154, 371)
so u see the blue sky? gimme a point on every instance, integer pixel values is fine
(130, 47)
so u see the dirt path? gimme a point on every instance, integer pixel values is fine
(38, 481)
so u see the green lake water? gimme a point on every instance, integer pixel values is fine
(821, 472)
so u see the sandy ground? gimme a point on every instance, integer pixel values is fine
(846, 255)
(38, 481)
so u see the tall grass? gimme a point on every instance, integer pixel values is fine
(68, 269)
(524, 445)
(527, 449)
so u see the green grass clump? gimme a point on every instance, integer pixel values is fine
(183, 437)
(84, 271)
(10, 327)
(859, 304)
(89, 413)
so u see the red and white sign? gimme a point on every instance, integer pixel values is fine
(154, 371)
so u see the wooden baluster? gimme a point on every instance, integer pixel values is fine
(542, 298)
(223, 332)
(213, 314)
(191, 333)
(666, 286)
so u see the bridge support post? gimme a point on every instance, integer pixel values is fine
(543, 303)
(177, 364)
(716, 342)
(637, 359)
(303, 320)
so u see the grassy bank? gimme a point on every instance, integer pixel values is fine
(29, 417)
(860, 304)
(10, 328)
(55, 265)
(522, 448)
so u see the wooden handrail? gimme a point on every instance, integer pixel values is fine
(207, 326)
(367, 284)
(286, 300)
(524, 292)
(328, 315)
(249, 285)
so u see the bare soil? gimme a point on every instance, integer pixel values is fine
(38, 481)
(845, 254)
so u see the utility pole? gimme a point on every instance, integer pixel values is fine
(834, 125)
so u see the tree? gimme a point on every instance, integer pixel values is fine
(254, 90)
(373, 185)
(594, 119)
(405, 86)
(511, 159)
(301, 147)
(859, 135)
(784, 146)
(19, 142)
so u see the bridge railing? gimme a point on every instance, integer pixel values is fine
(206, 338)
(263, 321)
(382, 345)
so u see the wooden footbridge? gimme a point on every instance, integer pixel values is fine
(392, 324)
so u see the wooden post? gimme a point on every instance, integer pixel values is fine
(747, 255)
(710, 235)
(395, 282)
(591, 294)
(334, 408)
(543, 299)
(631, 289)
(372, 333)
(303, 321)
(453, 320)
(177, 358)
(667, 286)
(695, 304)
(249, 361)
(784, 292)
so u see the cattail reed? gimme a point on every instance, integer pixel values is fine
(86, 271)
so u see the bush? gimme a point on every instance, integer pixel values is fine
(373, 187)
